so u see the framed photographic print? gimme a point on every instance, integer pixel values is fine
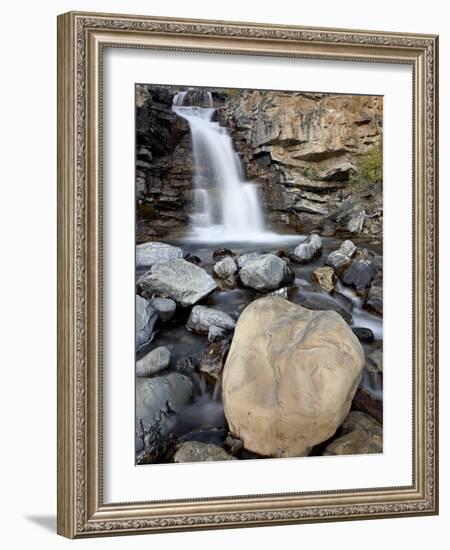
(247, 274)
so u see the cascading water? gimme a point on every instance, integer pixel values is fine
(225, 206)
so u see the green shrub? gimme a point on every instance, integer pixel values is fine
(309, 172)
(369, 166)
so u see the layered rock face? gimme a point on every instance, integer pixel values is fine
(290, 377)
(304, 148)
(163, 164)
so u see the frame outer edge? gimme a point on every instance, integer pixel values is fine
(435, 267)
(75, 208)
(65, 280)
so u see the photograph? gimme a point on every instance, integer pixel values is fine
(259, 274)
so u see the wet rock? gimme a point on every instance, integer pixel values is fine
(374, 299)
(165, 307)
(158, 399)
(227, 284)
(213, 359)
(146, 319)
(290, 377)
(215, 333)
(309, 249)
(244, 259)
(202, 318)
(152, 253)
(193, 260)
(355, 443)
(366, 402)
(225, 267)
(325, 277)
(179, 280)
(343, 300)
(154, 362)
(363, 334)
(361, 434)
(283, 292)
(322, 302)
(359, 274)
(221, 253)
(340, 259)
(234, 445)
(357, 420)
(374, 361)
(196, 451)
(267, 272)
(185, 365)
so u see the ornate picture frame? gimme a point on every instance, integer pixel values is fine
(82, 38)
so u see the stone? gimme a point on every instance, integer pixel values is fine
(215, 333)
(266, 272)
(338, 172)
(283, 292)
(361, 434)
(340, 259)
(146, 319)
(193, 259)
(304, 205)
(322, 302)
(202, 318)
(357, 420)
(196, 451)
(359, 274)
(244, 259)
(185, 365)
(309, 249)
(165, 307)
(363, 334)
(179, 280)
(357, 442)
(234, 445)
(356, 220)
(153, 253)
(290, 377)
(374, 361)
(221, 253)
(156, 397)
(227, 284)
(325, 277)
(225, 267)
(366, 402)
(154, 362)
(213, 358)
(374, 299)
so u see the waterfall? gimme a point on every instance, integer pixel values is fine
(225, 206)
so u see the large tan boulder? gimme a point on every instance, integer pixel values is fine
(290, 377)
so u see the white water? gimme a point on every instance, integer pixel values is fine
(361, 317)
(226, 208)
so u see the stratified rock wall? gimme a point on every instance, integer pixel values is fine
(304, 148)
(163, 164)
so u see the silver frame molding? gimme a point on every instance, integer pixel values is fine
(81, 39)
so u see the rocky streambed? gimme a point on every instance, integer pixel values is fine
(305, 364)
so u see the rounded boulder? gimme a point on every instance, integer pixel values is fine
(290, 377)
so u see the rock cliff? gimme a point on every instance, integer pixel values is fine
(317, 158)
(308, 151)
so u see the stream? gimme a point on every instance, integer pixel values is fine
(204, 418)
